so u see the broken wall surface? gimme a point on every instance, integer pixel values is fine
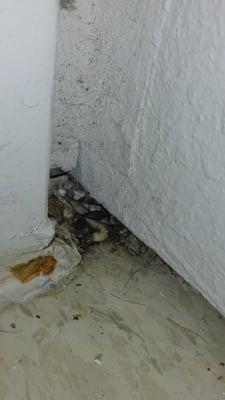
(140, 117)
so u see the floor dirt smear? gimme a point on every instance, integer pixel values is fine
(26, 272)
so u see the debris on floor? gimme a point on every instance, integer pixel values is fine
(98, 359)
(35, 273)
(80, 219)
(25, 272)
(77, 317)
(124, 329)
(83, 222)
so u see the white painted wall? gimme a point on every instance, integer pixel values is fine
(141, 103)
(27, 43)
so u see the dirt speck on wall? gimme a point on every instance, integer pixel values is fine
(68, 4)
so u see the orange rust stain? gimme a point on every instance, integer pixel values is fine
(34, 268)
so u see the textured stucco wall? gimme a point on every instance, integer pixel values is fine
(27, 36)
(140, 112)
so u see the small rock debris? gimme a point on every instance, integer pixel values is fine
(82, 221)
(98, 359)
(77, 317)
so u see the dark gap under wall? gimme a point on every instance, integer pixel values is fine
(82, 221)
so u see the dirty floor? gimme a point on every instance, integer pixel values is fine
(124, 329)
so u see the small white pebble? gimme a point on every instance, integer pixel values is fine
(78, 195)
(14, 367)
(98, 359)
(98, 362)
(162, 294)
(62, 192)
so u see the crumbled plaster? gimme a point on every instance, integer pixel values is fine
(140, 87)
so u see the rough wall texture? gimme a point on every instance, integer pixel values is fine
(140, 102)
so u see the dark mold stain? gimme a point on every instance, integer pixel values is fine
(68, 5)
